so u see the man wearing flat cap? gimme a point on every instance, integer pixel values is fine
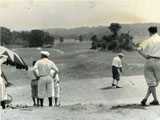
(45, 84)
(150, 50)
(116, 69)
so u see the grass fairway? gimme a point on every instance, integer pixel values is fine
(86, 92)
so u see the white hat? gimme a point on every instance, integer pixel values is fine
(120, 54)
(45, 53)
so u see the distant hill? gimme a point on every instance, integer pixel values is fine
(138, 31)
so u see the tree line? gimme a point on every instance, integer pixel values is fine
(33, 38)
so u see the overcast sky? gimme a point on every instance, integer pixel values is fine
(35, 14)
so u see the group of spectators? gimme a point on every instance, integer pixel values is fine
(44, 80)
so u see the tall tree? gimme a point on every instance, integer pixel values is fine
(48, 39)
(37, 38)
(61, 39)
(80, 38)
(5, 36)
(114, 28)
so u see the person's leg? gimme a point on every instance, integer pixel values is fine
(41, 101)
(148, 93)
(117, 79)
(143, 102)
(37, 101)
(50, 101)
(56, 99)
(36, 92)
(49, 85)
(117, 84)
(114, 74)
(113, 82)
(153, 91)
(41, 89)
(3, 104)
(34, 101)
(33, 94)
(148, 74)
(57, 93)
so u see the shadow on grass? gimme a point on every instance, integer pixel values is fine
(129, 106)
(108, 88)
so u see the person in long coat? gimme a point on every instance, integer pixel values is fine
(3, 93)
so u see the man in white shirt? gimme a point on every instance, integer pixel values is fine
(42, 69)
(116, 68)
(150, 50)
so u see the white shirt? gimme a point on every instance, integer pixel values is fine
(116, 62)
(44, 66)
(151, 46)
(31, 74)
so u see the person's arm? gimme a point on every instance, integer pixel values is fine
(3, 75)
(143, 55)
(54, 67)
(120, 69)
(35, 70)
(56, 78)
(143, 48)
(53, 73)
(120, 66)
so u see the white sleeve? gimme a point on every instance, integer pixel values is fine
(119, 63)
(52, 72)
(57, 77)
(54, 67)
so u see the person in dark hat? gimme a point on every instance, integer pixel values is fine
(150, 50)
(42, 69)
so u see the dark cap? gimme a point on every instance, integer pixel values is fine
(152, 29)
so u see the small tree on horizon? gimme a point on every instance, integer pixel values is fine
(61, 39)
(80, 38)
(5, 36)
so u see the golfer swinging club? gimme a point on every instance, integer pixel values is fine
(150, 50)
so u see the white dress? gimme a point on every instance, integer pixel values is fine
(56, 87)
(3, 93)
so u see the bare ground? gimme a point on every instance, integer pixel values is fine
(92, 99)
